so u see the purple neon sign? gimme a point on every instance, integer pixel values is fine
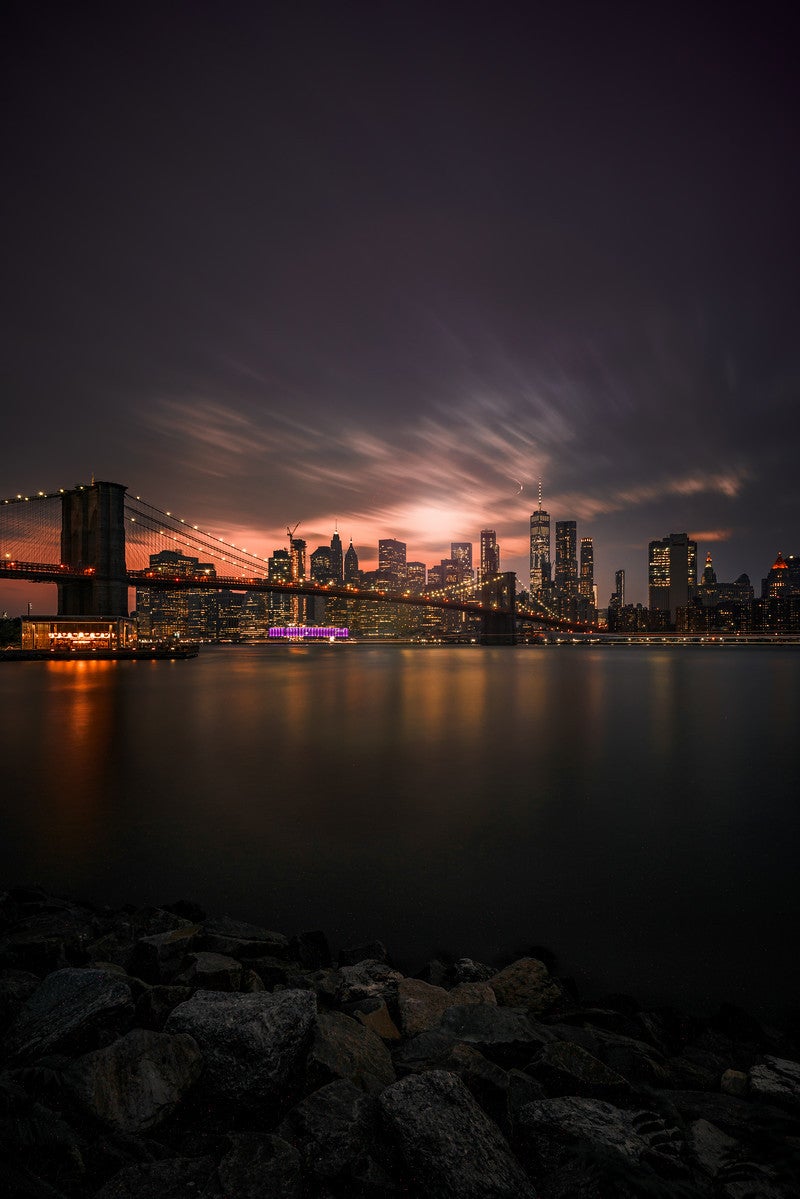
(314, 632)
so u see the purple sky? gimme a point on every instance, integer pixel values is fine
(391, 263)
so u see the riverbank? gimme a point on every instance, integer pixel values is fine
(156, 1052)
(154, 653)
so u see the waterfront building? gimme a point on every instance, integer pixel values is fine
(279, 570)
(490, 555)
(392, 559)
(672, 573)
(416, 577)
(461, 557)
(540, 548)
(619, 587)
(337, 559)
(163, 615)
(352, 574)
(586, 581)
(566, 573)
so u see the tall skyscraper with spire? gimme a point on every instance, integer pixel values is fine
(337, 561)
(351, 572)
(540, 547)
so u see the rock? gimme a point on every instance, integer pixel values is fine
(695, 1070)
(236, 939)
(487, 1082)
(377, 1019)
(136, 1082)
(504, 1034)
(44, 941)
(374, 951)
(566, 1069)
(274, 972)
(211, 971)
(634, 1060)
(710, 1147)
(156, 1003)
(733, 1082)
(16, 986)
(311, 949)
(526, 983)
(555, 1130)
(420, 1005)
(369, 979)
(175, 1178)
(332, 1128)
(251, 982)
(466, 970)
(344, 1049)
(776, 1080)
(477, 992)
(250, 1043)
(257, 1167)
(450, 1148)
(734, 1116)
(71, 1011)
(158, 958)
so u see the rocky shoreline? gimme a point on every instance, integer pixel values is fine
(159, 1052)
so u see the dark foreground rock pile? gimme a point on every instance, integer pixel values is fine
(158, 1053)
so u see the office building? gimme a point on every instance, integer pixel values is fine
(461, 556)
(352, 574)
(540, 548)
(337, 558)
(490, 555)
(586, 580)
(566, 574)
(392, 561)
(619, 587)
(672, 573)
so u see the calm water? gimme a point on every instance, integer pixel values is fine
(636, 810)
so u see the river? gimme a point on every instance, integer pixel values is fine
(636, 810)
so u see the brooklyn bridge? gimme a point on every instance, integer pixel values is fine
(95, 541)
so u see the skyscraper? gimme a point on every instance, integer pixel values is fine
(619, 587)
(540, 547)
(392, 559)
(490, 555)
(566, 579)
(586, 582)
(672, 572)
(461, 555)
(351, 572)
(337, 561)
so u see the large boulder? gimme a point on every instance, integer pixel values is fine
(333, 1128)
(72, 1011)
(259, 1166)
(210, 972)
(567, 1069)
(369, 979)
(450, 1148)
(236, 939)
(174, 1178)
(554, 1131)
(504, 1034)
(45, 940)
(250, 1042)
(158, 958)
(139, 1080)
(526, 983)
(420, 1005)
(776, 1080)
(344, 1048)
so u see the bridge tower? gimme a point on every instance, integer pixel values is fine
(93, 540)
(500, 627)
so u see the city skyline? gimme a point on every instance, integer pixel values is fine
(314, 264)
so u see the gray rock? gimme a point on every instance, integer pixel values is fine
(420, 1005)
(710, 1146)
(377, 1018)
(369, 979)
(158, 958)
(273, 972)
(175, 1178)
(15, 987)
(236, 939)
(477, 992)
(634, 1060)
(211, 971)
(526, 983)
(333, 1128)
(733, 1082)
(71, 1011)
(504, 1034)
(257, 1167)
(156, 1003)
(343, 1048)
(776, 1080)
(554, 1130)
(136, 1082)
(466, 970)
(250, 1043)
(47, 940)
(450, 1148)
(429, 1050)
(567, 1069)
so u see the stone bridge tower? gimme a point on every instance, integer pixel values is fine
(93, 541)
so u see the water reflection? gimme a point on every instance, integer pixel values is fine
(634, 809)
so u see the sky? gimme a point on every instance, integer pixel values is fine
(389, 264)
